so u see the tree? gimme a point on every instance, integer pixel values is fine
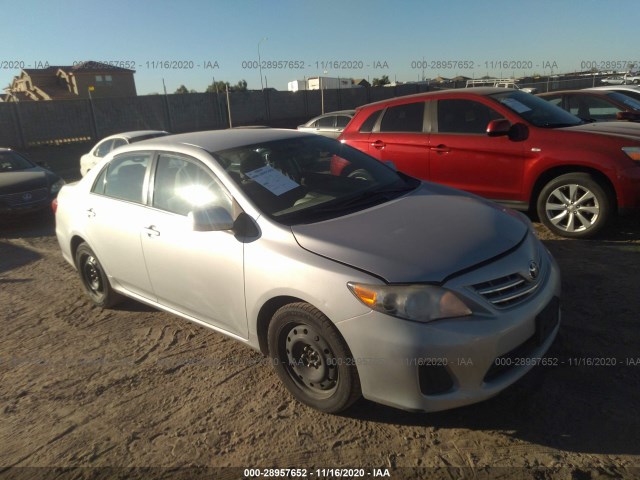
(182, 89)
(380, 82)
(221, 86)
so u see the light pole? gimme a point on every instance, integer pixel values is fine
(260, 61)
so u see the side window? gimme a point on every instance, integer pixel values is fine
(464, 116)
(326, 122)
(403, 118)
(125, 176)
(342, 120)
(368, 124)
(554, 100)
(103, 148)
(180, 185)
(98, 185)
(588, 107)
(118, 142)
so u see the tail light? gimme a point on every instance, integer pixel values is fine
(54, 205)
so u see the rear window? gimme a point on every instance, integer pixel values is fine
(148, 136)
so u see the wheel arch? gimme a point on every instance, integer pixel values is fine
(266, 313)
(76, 240)
(548, 175)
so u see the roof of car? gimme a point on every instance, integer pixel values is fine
(136, 133)
(218, 140)
(436, 93)
(582, 90)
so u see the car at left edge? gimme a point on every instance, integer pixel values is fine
(24, 185)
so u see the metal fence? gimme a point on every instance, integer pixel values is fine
(28, 124)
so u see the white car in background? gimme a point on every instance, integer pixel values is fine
(628, 90)
(103, 147)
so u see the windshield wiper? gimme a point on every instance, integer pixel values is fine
(364, 198)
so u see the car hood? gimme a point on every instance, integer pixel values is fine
(619, 129)
(23, 180)
(425, 236)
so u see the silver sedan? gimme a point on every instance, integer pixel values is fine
(410, 294)
(328, 125)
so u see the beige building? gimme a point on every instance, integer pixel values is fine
(68, 82)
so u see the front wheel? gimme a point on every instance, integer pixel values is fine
(94, 279)
(312, 359)
(574, 205)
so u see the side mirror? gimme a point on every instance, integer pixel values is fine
(499, 127)
(210, 218)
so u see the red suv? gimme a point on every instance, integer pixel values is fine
(508, 146)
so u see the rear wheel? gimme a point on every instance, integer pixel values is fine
(312, 359)
(94, 279)
(574, 205)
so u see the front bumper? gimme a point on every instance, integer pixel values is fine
(454, 362)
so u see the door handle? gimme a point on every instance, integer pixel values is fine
(91, 213)
(379, 144)
(151, 231)
(440, 149)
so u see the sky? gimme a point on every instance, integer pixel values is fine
(193, 42)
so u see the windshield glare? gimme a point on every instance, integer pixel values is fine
(535, 110)
(11, 162)
(295, 180)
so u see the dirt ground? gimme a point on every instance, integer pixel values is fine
(135, 387)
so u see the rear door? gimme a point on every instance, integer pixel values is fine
(463, 156)
(400, 136)
(116, 213)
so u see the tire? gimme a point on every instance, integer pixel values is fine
(94, 279)
(312, 359)
(574, 205)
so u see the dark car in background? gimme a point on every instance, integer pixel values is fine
(596, 105)
(25, 186)
(511, 147)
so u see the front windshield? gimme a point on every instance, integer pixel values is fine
(12, 162)
(535, 110)
(306, 179)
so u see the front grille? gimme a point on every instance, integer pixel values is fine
(24, 198)
(506, 291)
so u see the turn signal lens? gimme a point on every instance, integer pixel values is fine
(632, 152)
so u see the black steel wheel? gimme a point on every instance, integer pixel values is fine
(312, 359)
(94, 279)
(574, 205)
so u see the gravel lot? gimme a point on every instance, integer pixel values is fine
(135, 387)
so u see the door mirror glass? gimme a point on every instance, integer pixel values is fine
(211, 218)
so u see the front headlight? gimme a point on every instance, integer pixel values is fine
(632, 152)
(55, 188)
(421, 303)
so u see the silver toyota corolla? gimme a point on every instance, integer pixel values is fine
(367, 282)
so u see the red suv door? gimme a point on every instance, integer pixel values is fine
(400, 136)
(462, 155)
